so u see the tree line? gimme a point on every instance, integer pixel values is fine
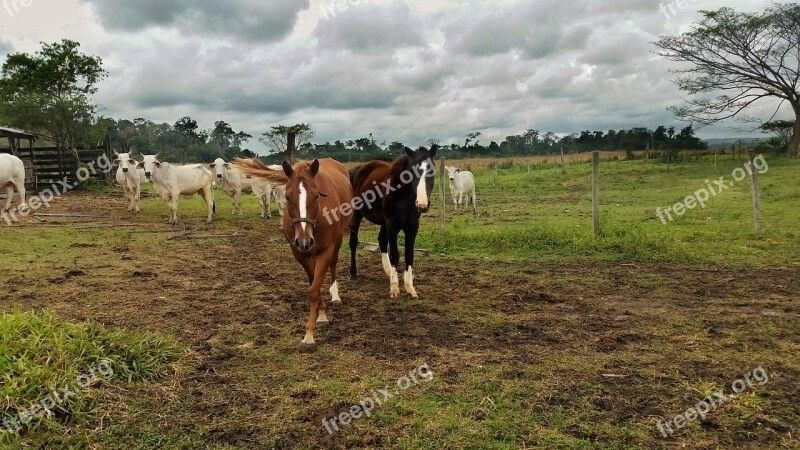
(740, 57)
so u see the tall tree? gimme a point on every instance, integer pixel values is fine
(745, 57)
(782, 129)
(275, 138)
(186, 127)
(50, 92)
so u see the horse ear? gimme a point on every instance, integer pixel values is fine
(287, 169)
(315, 168)
(434, 149)
(410, 152)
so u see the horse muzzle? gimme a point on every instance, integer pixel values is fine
(304, 245)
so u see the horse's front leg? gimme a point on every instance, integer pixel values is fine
(316, 305)
(411, 237)
(394, 259)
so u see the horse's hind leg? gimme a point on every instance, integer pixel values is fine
(354, 226)
(383, 244)
(334, 284)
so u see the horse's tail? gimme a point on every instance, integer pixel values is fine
(257, 169)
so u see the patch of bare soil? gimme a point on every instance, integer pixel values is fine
(647, 327)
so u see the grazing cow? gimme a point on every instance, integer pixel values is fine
(394, 197)
(12, 176)
(171, 182)
(129, 177)
(462, 184)
(233, 182)
(311, 189)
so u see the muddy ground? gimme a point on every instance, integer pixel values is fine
(611, 347)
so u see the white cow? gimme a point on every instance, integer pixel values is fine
(264, 191)
(129, 177)
(462, 184)
(171, 182)
(233, 182)
(12, 176)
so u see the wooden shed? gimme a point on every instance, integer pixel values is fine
(21, 143)
(46, 163)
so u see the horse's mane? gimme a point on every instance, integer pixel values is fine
(399, 166)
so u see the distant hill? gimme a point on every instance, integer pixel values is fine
(730, 142)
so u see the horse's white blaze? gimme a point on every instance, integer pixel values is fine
(302, 201)
(335, 292)
(387, 265)
(422, 192)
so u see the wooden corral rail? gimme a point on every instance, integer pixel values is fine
(51, 164)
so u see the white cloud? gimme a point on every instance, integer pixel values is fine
(403, 70)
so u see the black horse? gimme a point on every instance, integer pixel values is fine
(394, 196)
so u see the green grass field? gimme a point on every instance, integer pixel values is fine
(544, 214)
(538, 334)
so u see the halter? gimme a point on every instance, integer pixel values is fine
(313, 223)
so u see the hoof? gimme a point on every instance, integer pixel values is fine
(353, 276)
(323, 325)
(413, 295)
(336, 302)
(307, 348)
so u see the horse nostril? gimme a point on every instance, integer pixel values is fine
(297, 243)
(310, 242)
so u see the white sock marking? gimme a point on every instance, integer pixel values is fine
(387, 265)
(335, 292)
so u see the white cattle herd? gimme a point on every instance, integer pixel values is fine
(172, 181)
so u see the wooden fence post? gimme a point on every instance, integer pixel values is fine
(563, 170)
(754, 192)
(441, 194)
(596, 192)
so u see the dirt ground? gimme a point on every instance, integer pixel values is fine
(630, 343)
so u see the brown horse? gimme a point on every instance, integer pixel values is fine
(311, 188)
(393, 196)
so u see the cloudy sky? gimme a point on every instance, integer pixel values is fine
(405, 70)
